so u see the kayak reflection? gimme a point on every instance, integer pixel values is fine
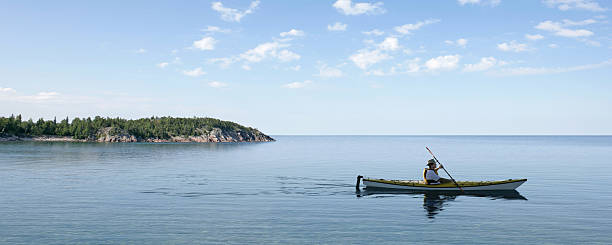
(435, 201)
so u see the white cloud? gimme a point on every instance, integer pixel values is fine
(216, 84)
(534, 37)
(377, 72)
(269, 49)
(295, 68)
(553, 70)
(348, 8)
(407, 67)
(195, 72)
(390, 43)
(337, 27)
(552, 45)
(215, 29)
(368, 42)
(590, 42)
(484, 64)
(293, 33)
(512, 46)
(286, 56)
(407, 28)
(223, 62)
(7, 90)
(141, 51)
(374, 32)
(326, 71)
(233, 15)
(464, 2)
(447, 62)
(206, 43)
(574, 33)
(461, 42)
(567, 22)
(162, 65)
(574, 4)
(365, 58)
(39, 97)
(106, 100)
(262, 51)
(296, 85)
(559, 28)
(9, 94)
(275, 50)
(408, 51)
(492, 3)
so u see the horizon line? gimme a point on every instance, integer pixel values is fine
(440, 134)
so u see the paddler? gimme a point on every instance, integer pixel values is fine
(430, 174)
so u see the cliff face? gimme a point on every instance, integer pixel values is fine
(110, 134)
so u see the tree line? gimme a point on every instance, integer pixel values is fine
(84, 128)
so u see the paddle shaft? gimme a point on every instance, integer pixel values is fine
(436, 159)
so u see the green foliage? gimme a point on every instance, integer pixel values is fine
(87, 128)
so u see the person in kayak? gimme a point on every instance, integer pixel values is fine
(430, 174)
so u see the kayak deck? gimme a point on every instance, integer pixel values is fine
(509, 184)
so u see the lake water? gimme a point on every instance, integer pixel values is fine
(301, 190)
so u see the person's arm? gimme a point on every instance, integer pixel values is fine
(439, 168)
(424, 176)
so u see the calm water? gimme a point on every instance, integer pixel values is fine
(300, 190)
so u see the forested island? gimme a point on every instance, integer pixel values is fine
(104, 129)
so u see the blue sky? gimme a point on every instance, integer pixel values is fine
(316, 67)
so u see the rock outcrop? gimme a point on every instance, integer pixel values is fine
(111, 134)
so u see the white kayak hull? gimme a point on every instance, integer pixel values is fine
(490, 187)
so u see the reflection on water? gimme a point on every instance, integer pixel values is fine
(435, 201)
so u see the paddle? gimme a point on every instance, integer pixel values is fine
(436, 159)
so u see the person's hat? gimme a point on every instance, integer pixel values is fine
(430, 162)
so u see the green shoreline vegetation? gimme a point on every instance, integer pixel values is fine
(163, 128)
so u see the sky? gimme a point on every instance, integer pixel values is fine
(455, 67)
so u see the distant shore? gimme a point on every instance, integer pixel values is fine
(154, 129)
(184, 139)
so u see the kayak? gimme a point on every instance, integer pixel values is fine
(509, 184)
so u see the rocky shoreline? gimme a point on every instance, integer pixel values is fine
(215, 135)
